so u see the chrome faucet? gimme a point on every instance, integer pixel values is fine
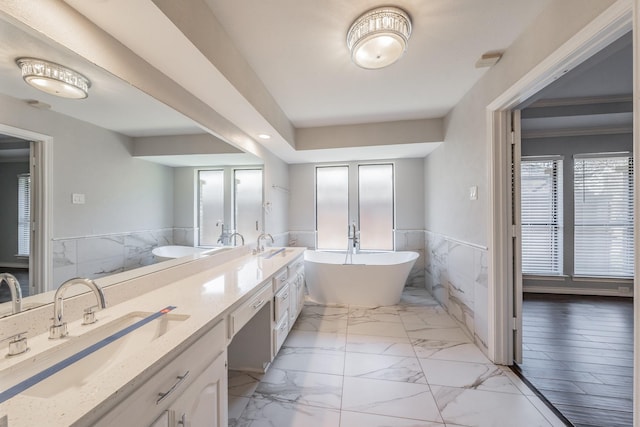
(224, 235)
(262, 236)
(353, 236)
(16, 292)
(231, 238)
(59, 328)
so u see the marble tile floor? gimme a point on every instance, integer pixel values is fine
(408, 365)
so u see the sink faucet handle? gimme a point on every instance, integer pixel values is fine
(58, 331)
(89, 315)
(17, 343)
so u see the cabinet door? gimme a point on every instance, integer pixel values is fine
(204, 402)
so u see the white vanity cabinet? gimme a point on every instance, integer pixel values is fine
(204, 402)
(288, 287)
(192, 387)
(296, 288)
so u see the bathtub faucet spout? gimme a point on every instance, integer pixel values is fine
(224, 233)
(354, 239)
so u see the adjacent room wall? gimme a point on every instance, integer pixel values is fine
(567, 147)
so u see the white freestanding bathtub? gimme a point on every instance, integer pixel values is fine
(371, 280)
(164, 253)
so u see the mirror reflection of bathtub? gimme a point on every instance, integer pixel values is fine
(166, 253)
(370, 279)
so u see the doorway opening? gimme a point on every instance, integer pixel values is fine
(25, 253)
(15, 186)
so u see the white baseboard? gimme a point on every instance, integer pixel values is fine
(576, 291)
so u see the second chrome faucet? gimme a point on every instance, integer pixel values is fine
(59, 327)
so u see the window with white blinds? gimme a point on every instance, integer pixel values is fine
(24, 214)
(603, 196)
(541, 216)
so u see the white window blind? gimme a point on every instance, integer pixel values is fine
(603, 215)
(24, 214)
(541, 211)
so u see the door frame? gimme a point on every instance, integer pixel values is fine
(617, 20)
(40, 160)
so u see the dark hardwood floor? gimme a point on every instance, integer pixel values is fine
(578, 353)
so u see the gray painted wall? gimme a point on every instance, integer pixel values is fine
(409, 193)
(464, 158)
(9, 216)
(276, 216)
(123, 194)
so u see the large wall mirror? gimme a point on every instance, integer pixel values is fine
(119, 174)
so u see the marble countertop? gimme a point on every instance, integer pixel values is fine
(205, 297)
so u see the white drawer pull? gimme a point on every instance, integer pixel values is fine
(180, 379)
(285, 296)
(258, 304)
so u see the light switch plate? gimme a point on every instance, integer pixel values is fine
(77, 199)
(473, 192)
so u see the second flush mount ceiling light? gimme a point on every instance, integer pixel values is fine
(379, 37)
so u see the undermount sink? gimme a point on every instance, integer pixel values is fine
(76, 361)
(273, 252)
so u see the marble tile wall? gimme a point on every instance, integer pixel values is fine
(98, 256)
(185, 236)
(302, 239)
(456, 275)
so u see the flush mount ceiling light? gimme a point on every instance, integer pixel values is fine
(53, 78)
(379, 37)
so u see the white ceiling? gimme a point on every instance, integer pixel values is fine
(297, 50)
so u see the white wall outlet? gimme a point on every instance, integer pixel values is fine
(473, 192)
(77, 199)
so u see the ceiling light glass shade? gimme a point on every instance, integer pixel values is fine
(53, 78)
(379, 37)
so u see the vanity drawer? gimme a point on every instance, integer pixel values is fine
(282, 299)
(280, 279)
(280, 333)
(246, 311)
(155, 396)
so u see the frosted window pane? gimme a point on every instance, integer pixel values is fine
(332, 205)
(248, 203)
(375, 199)
(211, 196)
